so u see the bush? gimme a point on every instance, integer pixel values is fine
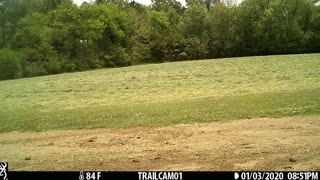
(35, 69)
(53, 66)
(118, 58)
(10, 67)
(196, 49)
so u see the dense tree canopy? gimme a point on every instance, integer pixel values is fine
(40, 37)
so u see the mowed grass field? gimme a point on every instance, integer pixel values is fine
(164, 94)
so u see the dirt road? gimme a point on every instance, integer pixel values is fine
(255, 144)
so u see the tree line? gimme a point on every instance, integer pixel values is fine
(41, 37)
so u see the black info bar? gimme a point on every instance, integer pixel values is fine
(163, 175)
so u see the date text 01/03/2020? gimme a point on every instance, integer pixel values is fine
(276, 175)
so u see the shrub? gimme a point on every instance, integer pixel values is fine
(10, 67)
(35, 69)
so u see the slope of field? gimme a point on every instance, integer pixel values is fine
(164, 94)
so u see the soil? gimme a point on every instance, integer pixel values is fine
(266, 144)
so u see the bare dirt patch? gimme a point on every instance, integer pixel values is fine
(253, 144)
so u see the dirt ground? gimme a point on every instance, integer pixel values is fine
(253, 144)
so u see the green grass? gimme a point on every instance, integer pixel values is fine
(164, 94)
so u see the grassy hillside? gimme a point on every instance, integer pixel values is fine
(163, 94)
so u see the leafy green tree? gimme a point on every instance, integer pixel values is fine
(11, 11)
(139, 43)
(273, 26)
(159, 29)
(313, 33)
(285, 34)
(208, 3)
(92, 36)
(250, 16)
(10, 66)
(114, 44)
(224, 36)
(33, 39)
(195, 28)
(166, 42)
(166, 5)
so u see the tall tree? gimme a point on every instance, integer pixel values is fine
(32, 38)
(208, 3)
(166, 5)
(11, 11)
(195, 28)
(224, 35)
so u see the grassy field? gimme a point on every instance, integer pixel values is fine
(164, 94)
